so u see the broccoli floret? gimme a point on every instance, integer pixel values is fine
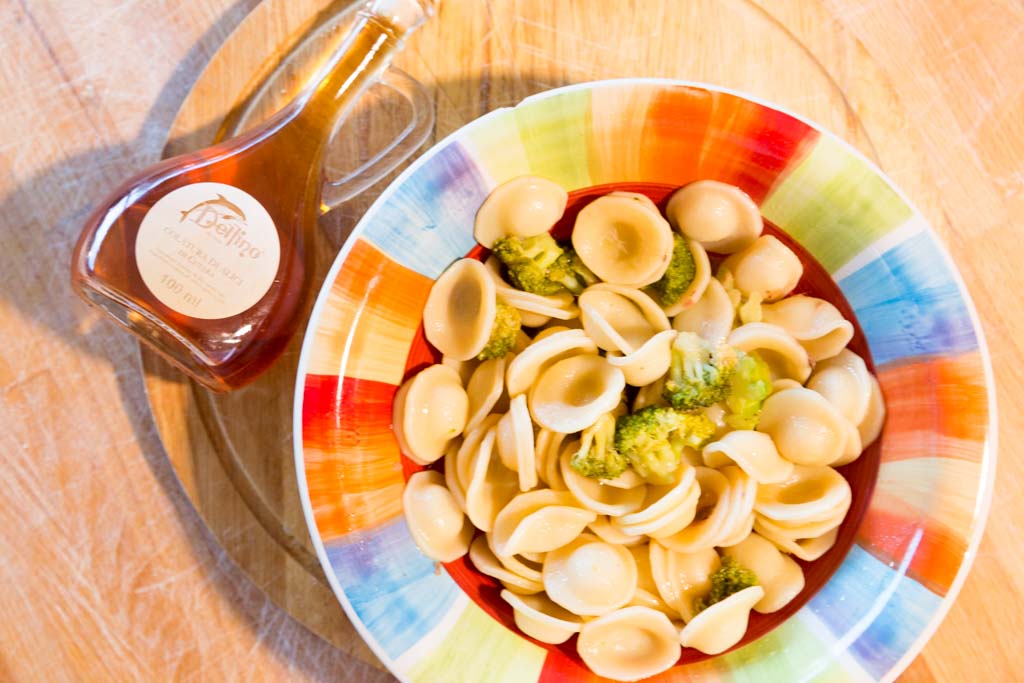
(750, 385)
(699, 374)
(570, 272)
(730, 578)
(652, 439)
(679, 276)
(503, 332)
(528, 261)
(597, 457)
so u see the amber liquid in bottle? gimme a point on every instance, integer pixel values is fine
(207, 256)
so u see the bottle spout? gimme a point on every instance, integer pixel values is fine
(405, 15)
(379, 31)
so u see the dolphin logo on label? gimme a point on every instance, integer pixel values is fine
(220, 205)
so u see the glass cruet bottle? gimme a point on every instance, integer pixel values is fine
(207, 256)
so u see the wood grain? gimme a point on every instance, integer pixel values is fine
(111, 573)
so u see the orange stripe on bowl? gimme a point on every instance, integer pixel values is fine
(673, 134)
(352, 465)
(751, 145)
(890, 527)
(941, 396)
(617, 119)
(370, 317)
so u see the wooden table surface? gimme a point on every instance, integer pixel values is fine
(108, 573)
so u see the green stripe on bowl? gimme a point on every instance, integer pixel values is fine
(494, 143)
(556, 150)
(480, 648)
(793, 646)
(834, 204)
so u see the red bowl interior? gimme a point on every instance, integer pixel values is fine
(861, 473)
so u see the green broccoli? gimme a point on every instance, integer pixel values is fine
(750, 385)
(679, 276)
(541, 265)
(730, 578)
(503, 332)
(570, 272)
(652, 439)
(528, 260)
(699, 374)
(597, 457)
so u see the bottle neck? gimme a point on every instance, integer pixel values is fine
(357, 63)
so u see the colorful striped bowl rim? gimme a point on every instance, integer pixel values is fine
(915, 544)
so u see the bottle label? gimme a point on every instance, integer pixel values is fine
(208, 250)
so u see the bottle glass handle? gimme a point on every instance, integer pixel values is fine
(339, 190)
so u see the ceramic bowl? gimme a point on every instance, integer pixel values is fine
(921, 492)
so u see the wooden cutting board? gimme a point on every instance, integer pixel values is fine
(233, 453)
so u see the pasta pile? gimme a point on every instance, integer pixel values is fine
(645, 464)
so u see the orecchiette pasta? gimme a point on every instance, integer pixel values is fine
(871, 426)
(647, 363)
(464, 368)
(682, 578)
(650, 395)
(622, 241)
(767, 267)
(620, 319)
(701, 279)
(754, 452)
(666, 509)
(785, 357)
(460, 310)
(806, 428)
(483, 389)
(545, 351)
(629, 644)
(540, 618)
(570, 395)
(435, 520)
(490, 486)
(818, 325)
(721, 217)
(547, 450)
(526, 564)
(777, 573)
(711, 317)
(723, 624)
(590, 577)
(806, 549)
(622, 481)
(742, 494)
(430, 410)
(810, 494)
(538, 521)
(521, 207)
(647, 594)
(515, 442)
(845, 382)
(713, 511)
(484, 560)
(610, 533)
(599, 497)
(469, 448)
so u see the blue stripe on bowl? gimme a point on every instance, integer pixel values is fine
(391, 585)
(422, 224)
(908, 303)
(874, 609)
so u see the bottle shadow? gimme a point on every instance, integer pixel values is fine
(50, 232)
